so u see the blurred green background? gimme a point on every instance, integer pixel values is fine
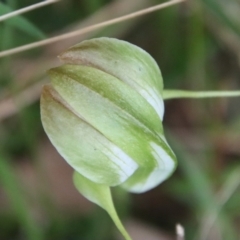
(197, 46)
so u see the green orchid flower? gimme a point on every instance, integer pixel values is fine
(103, 112)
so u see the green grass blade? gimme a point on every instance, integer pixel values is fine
(196, 177)
(226, 193)
(21, 23)
(217, 8)
(18, 201)
(207, 202)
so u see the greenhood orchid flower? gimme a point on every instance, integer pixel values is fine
(103, 112)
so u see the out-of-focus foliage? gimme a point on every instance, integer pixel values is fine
(197, 46)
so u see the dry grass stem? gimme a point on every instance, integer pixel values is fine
(26, 9)
(89, 29)
(11, 105)
(35, 67)
(209, 220)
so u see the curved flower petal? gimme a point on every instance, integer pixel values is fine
(85, 90)
(166, 165)
(82, 146)
(123, 60)
(67, 78)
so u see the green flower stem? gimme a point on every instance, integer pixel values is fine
(171, 94)
(18, 201)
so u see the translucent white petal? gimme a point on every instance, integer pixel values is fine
(166, 166)
(154, 100)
